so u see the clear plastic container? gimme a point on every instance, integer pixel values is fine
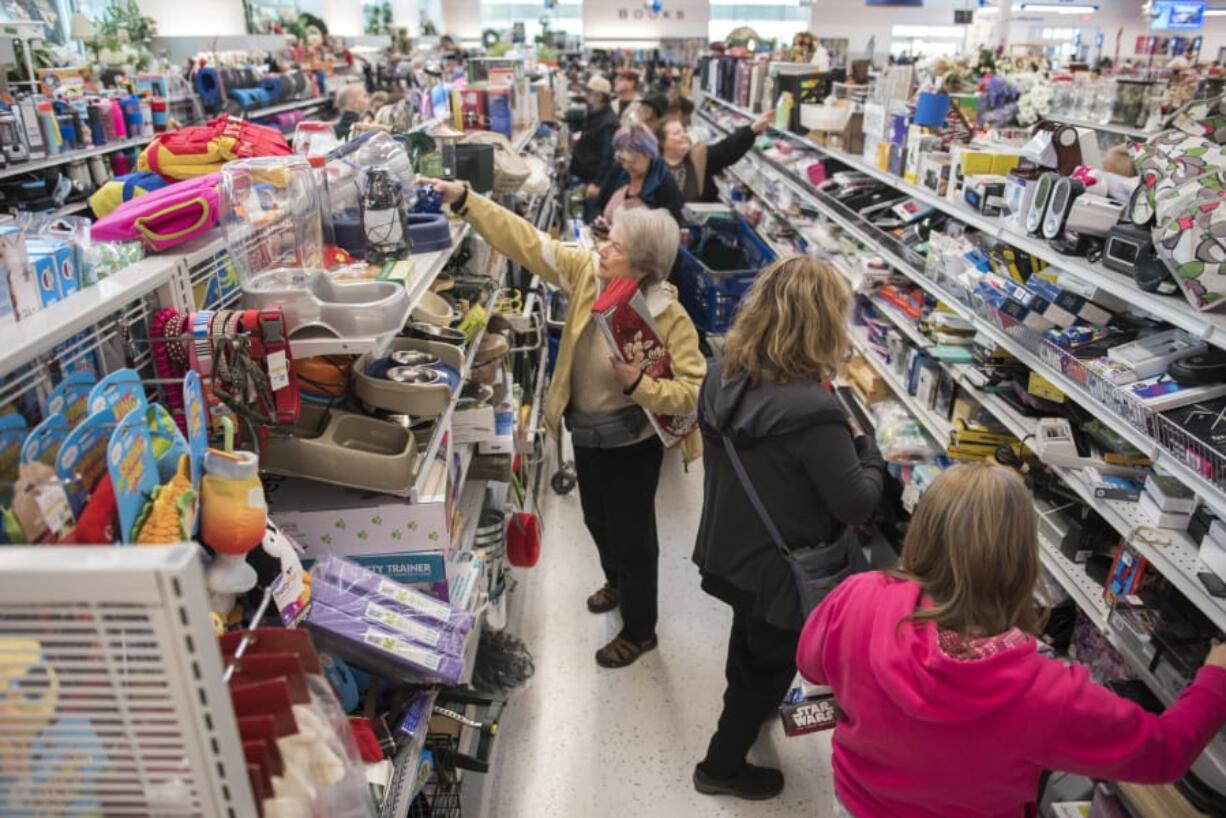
(270, 216)
(312, 138)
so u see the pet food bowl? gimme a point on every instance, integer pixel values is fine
(420, 399)
(434, 309)
(413, 357)
(416, 375)
(317, 306)
(346, 449)
(432, 332)
(429, 232)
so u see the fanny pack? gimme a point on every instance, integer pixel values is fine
(606, 430)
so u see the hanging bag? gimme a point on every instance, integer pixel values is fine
(816, 571)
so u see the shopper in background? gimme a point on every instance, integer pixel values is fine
(652, 109)
(947, 707)
(354, 103)
(682, 109)
(695, 166)
(641, 179)
(592, 156)
(617, 453)
(817, 473)
(626, 86)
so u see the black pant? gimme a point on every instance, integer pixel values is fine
(617, 488)
(760, 668)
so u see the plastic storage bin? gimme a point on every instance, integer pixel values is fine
(717, 269)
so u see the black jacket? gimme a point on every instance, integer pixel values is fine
(345, 124)
(811, 475)
(659, 189)
(593, 152)
(707, 161)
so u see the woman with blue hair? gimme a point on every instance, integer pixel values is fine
(640, 178)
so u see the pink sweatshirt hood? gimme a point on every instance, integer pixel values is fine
(921, 680)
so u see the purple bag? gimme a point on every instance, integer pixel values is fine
(166, 217)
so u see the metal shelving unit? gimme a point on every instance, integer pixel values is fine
(293, 105)
(71, 156)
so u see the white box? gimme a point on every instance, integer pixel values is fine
(1213, 549)
(1162, 519)
(349, 522)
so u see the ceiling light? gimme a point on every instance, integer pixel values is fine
(1061, 8)
(1215, 12)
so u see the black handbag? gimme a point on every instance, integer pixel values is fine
(816, 570)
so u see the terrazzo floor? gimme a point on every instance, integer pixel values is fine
(582, 741)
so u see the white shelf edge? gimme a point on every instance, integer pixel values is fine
(38, 334)
(293, 105)
(58, 159)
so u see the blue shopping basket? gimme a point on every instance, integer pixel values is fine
(713, 274)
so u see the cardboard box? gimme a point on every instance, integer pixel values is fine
(863, 378)
(544, 103)
(352, 523)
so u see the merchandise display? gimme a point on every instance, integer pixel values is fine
(275, 414)
(208, 363)
(969, 309)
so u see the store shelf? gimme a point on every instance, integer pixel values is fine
(1173, 309)
(938, 428)
(1178, 561)
(71, 209)
(1119, 130)
(444, 422)
(293, 105)
(72, 156)
(36, 335)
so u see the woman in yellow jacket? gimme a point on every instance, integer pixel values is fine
(603, 402)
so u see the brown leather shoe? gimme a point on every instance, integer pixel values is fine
(621, 652)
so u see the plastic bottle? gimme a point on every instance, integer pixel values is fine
(146, 117)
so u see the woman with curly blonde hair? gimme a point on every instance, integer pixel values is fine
(771, 397)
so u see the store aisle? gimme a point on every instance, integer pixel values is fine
(583, 741)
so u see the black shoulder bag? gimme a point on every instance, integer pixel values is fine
(816, 570)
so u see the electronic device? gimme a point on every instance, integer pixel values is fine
(1063, 193)
(1093, 215)
(1038, 202)
(1075, 146)
(1200, 369)
(1152, 354)
(1056, 445)
(1125, 246)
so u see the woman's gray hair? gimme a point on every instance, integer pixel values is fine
(649, 239)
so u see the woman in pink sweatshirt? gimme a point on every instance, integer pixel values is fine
(947, 708)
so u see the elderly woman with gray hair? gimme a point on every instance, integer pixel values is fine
(640, 178)
(605, 402)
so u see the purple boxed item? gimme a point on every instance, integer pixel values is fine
(369, 645)
(424, 631)
(417, 716)
(353, 578)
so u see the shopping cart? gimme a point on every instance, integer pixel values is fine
(716, 269)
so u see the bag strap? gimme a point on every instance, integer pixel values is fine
(758, 505)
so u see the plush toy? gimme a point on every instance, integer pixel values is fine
(171, 515)
(99, 521)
